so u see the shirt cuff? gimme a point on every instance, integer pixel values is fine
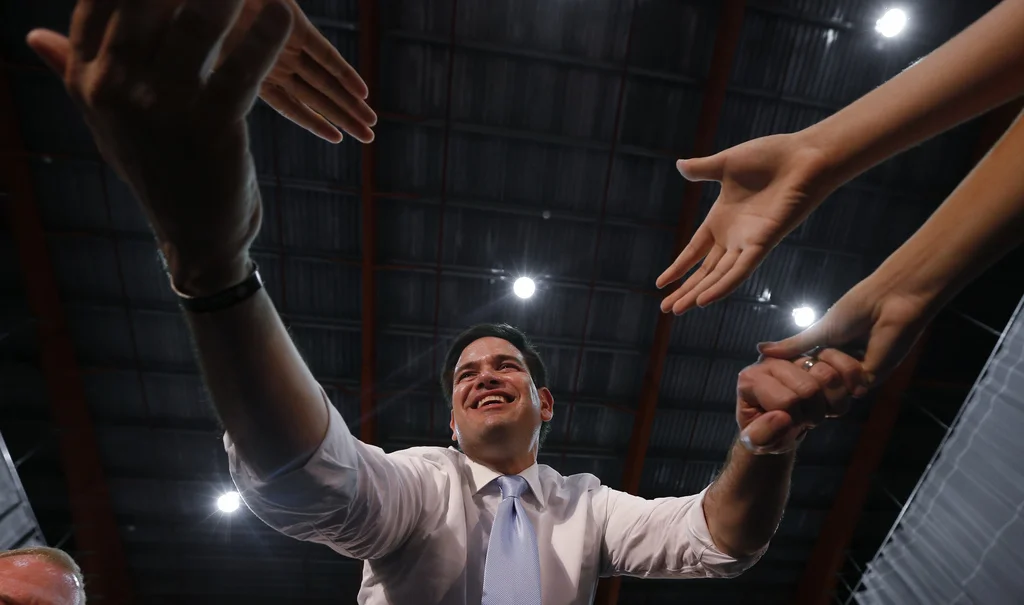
(293, 500)
(716, 563)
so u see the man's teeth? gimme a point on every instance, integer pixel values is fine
(490, 399)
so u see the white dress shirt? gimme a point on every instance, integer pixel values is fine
(421, 518)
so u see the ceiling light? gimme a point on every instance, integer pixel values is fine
(229, 502)
(804, 316)
(524, 287)
(891, 23)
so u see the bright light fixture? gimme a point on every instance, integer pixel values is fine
(524, 287)
(891, 23)
(229, 502)
(804, 316)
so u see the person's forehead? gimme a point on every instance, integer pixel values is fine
(488, 346)
(32, 575)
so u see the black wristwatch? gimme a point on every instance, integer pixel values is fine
(225, 298)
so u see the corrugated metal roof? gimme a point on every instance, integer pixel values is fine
(684, 377)
(677, 37)
(531, 95)
(645, 188)
(49, 120)
(594, 29)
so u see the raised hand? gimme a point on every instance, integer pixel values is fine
(777, 400)
(769, 186)
(311, 84)
(174, 131)
(875, 316)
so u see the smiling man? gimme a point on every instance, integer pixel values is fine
(485, 523)
(435, 526)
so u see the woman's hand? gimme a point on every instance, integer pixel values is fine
(769, 186)
(875, 317)
(311, 84)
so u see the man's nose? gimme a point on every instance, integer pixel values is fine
(488, 378)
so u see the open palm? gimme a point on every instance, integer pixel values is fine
(311, 84)
(769, 186)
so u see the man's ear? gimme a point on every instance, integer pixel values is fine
(547, 404)
(451, 425)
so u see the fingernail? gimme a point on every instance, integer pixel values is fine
(860, 392)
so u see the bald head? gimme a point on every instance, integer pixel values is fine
(40, 575)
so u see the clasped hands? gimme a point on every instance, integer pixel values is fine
(778, 401)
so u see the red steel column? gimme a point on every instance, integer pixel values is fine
(100, 552)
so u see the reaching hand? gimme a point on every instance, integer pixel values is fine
(870, 314)
(311, 84)
(769, 186)
(777, 400)
(174, 131)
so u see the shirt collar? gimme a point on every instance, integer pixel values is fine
(483, 476)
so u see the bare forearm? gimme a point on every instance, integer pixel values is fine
(980, 222)
(978, 70)
(268, 400)
(744, 506)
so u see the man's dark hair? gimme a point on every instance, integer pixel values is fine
(505, 332)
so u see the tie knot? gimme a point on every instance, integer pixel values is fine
(512, 486)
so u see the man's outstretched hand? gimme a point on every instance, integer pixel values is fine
(311, 84)
(778, 400)
(172, 129)
(769, 186)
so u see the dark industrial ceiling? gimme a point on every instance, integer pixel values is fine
(533, 137)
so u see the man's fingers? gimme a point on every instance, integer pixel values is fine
(702, 169)
(849, 370)
(699, 246)
(741, 270)
(193, 39)
(324, 53)
(237, 82)
(53, 48)
(770, 430)
(299, 113)
(805, 402)
(834, 398)
(89, 23)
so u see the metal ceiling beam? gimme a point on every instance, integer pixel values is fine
(727, 41)
(296, 320)
(99, 549)
(369, 50)
(446, 139)
(914, 196)
(596, 262)
(822, 572)
(468, 271)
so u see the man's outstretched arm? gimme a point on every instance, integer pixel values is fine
(777, 401)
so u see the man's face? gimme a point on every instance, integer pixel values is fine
(34, 580)
(495, 404)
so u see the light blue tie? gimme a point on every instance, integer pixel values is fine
(512, 570)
